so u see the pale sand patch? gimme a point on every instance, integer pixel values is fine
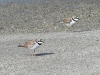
(62, 53)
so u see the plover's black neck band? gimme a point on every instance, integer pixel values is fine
(39, 43)
(74, 19)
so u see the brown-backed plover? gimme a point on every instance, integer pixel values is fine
(32, 44)
(69, 21)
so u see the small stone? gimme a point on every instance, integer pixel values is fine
(12, 26)
(1, 27)
(97, 40)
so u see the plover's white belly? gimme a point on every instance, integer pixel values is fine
(35, 46)
(71, 23)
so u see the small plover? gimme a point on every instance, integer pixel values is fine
(69, 21)
(32, 44)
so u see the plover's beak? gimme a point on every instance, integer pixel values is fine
(41, 41)
(78, 18)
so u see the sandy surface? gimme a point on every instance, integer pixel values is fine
(44, 17)
(65, 51)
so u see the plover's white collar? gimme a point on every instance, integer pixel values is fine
(32, 44)
(69, 21)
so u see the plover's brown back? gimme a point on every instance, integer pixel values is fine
(28, 44)
(67, 20)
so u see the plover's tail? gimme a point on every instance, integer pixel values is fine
(60, 22)
(20, 46)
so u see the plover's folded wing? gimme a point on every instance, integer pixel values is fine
(29, 43)
(67, 20)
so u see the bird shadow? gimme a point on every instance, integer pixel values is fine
(41, 54)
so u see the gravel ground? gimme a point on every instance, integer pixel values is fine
(61, 53)
(66, 50)
(43, 17)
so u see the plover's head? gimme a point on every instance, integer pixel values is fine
(40, 42)
(75, 18)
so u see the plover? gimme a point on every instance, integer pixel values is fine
(69, 21)
(32, 44)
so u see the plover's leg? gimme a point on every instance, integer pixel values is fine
(69, 28)
(65, 28)
(34, 53)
